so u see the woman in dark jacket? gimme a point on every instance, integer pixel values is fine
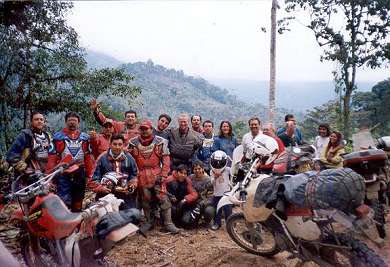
(226, 141)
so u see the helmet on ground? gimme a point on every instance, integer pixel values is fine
(218, 161)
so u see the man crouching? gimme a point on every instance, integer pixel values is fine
(182, 196)
(115, 169)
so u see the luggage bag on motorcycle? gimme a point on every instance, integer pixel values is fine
(366, 161)
(342, 189)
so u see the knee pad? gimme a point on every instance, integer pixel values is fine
(165, 204)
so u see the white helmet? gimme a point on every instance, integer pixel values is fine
(218, 161)
(110, 179)
(264, 146)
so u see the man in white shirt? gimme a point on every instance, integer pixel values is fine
(254, 126)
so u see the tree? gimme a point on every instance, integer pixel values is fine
(372, 108)
(353, 33)
(327, 113)
(272, 79)
(42, 66)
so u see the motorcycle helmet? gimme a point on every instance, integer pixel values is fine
(218, 161)
(110, 179)
(263, 146)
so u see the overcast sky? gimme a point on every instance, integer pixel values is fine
(215, 40)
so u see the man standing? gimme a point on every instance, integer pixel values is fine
(128, 128)
(204, 152)
(101, 142)
(254, 126)
(290, 134)
(71, 145)
(117, 160)
(31, 147)
(152, 157)
(183, 143)
(162, 124)
(196, 121)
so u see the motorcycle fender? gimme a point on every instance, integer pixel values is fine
(123, 232)
(72, 249)
(225, 200)
(307, 230)
(251, 213)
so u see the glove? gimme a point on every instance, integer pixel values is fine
(20, 166)
(173, 199)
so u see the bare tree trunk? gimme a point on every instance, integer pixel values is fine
(272, 79)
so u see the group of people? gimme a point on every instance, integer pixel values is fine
(175, 175)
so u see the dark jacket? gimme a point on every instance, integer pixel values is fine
(38, 150)
(106, 163)
(181, 190)
(184, 147)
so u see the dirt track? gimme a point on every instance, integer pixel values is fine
(201, 247)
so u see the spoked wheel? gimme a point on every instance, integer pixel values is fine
(358, 254)
(255, 238)
(36, 253)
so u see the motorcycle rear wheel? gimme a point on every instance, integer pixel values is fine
(240, 230)
(360, 254)
(37, 254)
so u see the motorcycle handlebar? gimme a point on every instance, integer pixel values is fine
(33, 188)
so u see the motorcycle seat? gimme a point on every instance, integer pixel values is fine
(58, 210)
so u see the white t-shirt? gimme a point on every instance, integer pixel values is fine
(320, 144)
(247, 139)
(221, 183)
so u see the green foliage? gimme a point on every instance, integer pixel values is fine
(42, 66)
(327, 113)
(372, 108)
(352, 34)
(240, 128)
(172, 92)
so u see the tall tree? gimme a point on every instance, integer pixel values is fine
(353, 33)
(42, 66)
(272, 78)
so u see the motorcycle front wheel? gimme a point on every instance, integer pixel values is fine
(255, 238)
(36, 253)
(359, 254)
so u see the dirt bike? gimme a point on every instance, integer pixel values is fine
(371, 163)
(59, 237)
(309, 234)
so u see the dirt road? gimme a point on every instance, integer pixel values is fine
(201, 247)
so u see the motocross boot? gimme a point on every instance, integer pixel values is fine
(169, 226)
(149, 218)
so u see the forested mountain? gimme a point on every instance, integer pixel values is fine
(171, 91)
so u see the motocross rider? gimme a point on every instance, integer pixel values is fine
(152, 157)
(117, 160)
(71, 145)
(31, 147)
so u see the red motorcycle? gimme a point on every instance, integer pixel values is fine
(59, 237)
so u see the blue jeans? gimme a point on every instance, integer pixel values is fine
(227, 210)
